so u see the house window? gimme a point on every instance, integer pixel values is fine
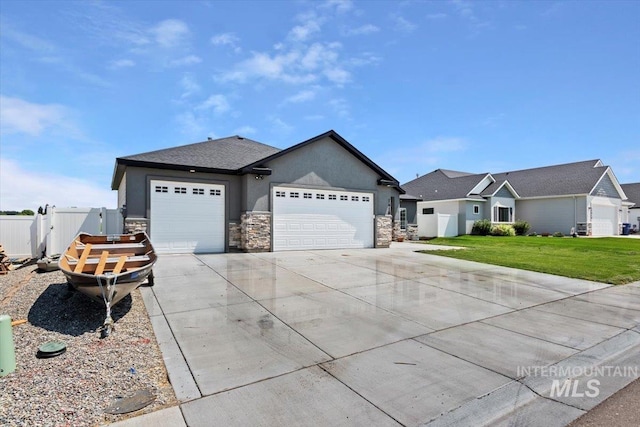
(365, 198)
(502, 214)
(308, 196)
(215, 193)
(332, 197)
(198, 191)
(344, 198)
(281, 194)
(476, 209)
(180, 190)
(294, 194)
(320, 196)
(161, 189)
(427, 211)
(403, 218)
(354, 198)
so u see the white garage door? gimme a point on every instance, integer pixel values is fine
(321, 219)
(187, 217)
(604, 219)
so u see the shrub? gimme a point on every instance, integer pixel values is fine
(534, 234)
(521, 227)
(481, 227)
(558, 234)
(502, 230)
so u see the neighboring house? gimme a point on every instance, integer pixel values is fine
(633, 204)
(584, 196)
(235, 193)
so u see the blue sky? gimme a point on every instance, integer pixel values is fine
(465, 85)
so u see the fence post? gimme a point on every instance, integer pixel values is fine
(7, 349)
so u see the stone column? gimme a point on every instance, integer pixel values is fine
(255, 231)
(136, 225)
(235, 235)
(384, 230)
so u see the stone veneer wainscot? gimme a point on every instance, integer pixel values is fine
(255, 231)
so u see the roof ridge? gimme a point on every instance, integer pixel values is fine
(594, 161)
(208, 141)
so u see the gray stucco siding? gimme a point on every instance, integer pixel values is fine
(606, 188)
(322, 164)
(466, 225)
(412, 210)
(138, 182)
(551, 215)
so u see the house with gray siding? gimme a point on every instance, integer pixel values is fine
(583, 196)
(632, 211)
(238, 194)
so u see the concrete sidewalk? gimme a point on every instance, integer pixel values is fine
(384, 337)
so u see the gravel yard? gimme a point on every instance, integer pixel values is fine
(74, 388)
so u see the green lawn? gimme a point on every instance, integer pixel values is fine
(608, 260)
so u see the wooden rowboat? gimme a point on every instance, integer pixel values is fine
(108, 268)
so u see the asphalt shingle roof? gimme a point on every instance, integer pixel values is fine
(633, 193)
(556, 180)
(231, 153)
(443, 185)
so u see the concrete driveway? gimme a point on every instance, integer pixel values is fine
(385, 337)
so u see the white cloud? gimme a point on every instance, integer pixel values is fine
(466, 11)
(301, 65)
(443, 144)
(121, 63)
(362, 30)
(302, 96)
(189, 85)
(190, 125)
(170, 32)
(185, 61)
(340, 107)
(29, 189)
(227, 39)
(279, 125)
(341, 6)
(262, 65)
(245, 130)
(337, 75)
(403, 25)
(365, 58)
(218, 103)
(435, 16)
(28, 41)
(302, 32)
(19, 116)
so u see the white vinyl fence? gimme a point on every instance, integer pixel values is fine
(30, 236)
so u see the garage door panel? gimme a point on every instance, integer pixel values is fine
(604, 219)
(188, 217)
(319, 219)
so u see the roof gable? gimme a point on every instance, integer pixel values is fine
(385, 177)
(557, 180)
(443, 185)
(498, 187)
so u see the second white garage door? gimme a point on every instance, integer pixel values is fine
(321, 219)
(604, 219)
(187, 217)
